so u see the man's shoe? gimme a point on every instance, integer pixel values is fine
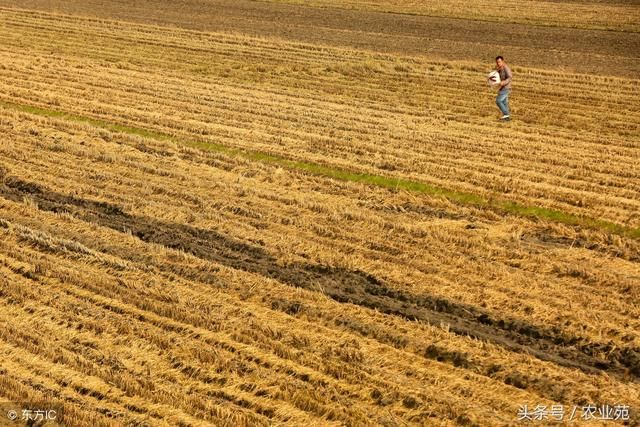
(505, 118)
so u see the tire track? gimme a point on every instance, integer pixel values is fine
(341, 284)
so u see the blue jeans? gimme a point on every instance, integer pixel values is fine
(502, 100)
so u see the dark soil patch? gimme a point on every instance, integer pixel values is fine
(341, 284)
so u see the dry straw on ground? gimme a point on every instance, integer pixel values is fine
(153, 272)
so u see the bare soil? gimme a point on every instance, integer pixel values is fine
(567, 49)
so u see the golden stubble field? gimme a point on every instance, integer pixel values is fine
(184, 243)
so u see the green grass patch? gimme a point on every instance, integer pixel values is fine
(506, 206)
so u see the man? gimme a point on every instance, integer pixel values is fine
(502, 100)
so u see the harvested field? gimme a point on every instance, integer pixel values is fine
(213, 228)
(561, 48)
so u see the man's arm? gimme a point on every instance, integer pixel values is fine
(507, 80)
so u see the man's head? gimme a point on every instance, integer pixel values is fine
(499, 62)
